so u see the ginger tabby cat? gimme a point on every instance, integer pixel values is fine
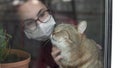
(76, 49)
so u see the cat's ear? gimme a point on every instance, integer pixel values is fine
(82, 27)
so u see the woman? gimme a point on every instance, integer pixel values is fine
(38, 24)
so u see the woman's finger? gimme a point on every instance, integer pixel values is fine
(55, 52)
(57, 59)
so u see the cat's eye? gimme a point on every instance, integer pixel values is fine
(66, 34)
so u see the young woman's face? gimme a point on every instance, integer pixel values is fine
(37, 20)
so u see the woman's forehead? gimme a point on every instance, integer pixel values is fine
(30, 9)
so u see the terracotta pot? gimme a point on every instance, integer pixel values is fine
(19, 64)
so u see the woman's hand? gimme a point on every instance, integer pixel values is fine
(56, 55)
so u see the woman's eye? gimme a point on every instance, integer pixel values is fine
(42, 15)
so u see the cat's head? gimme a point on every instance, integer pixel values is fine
(67, 35)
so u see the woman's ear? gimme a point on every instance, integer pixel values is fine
(82, 26)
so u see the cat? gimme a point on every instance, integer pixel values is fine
(77, 50)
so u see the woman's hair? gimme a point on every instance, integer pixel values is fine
(9, 10)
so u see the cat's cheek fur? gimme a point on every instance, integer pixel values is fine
(63, 46)
(64, 52)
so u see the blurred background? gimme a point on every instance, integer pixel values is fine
(93, 11)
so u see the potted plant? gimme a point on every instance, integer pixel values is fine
(11, 58)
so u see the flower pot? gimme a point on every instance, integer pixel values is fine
(19, 64)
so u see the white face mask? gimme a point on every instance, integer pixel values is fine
(43, 31)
